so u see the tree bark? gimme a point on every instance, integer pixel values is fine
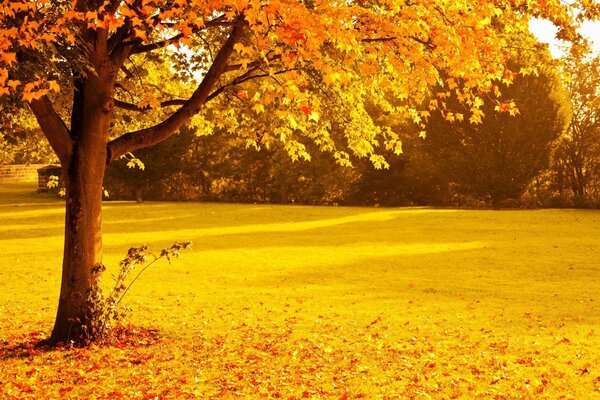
(84, 174)
(82, 257)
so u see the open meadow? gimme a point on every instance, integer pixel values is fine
(300, 302)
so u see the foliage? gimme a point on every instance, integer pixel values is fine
(223, 170)
(457, 163)
(21, 140)
(296, 61)
(107, 313)
(310, 302)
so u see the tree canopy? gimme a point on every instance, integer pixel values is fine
(307, 55)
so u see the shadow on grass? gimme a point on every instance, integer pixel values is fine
(24, 346)
(36, 343)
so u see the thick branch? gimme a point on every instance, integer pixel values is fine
(146, 137)
(53, 128)
(116, 42)
(157, 45)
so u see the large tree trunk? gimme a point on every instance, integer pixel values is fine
(82, 258)
(84, 173)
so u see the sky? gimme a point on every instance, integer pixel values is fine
(545, 31)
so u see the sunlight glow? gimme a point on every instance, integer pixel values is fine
(545, 32)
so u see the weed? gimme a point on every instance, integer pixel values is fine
(106, 312)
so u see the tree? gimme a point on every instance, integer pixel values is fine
(225, 171)
(97, 57)
(577, 158)
(497, 160)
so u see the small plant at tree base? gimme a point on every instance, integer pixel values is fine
(106, 313)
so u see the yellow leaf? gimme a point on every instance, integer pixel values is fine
(54, 86)
(243, 50)
(476, 117)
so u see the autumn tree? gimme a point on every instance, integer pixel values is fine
(94, 57)
(576, 165)
(497, 160)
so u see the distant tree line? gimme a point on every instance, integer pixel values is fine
(545, 155)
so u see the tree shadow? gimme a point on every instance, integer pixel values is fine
(36, 343)
(25, 346)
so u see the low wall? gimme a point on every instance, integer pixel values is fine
(19, 173)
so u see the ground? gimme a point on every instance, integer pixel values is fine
(314, 302)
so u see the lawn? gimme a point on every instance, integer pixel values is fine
(314, 302)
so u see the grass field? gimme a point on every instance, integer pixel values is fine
(315, 302)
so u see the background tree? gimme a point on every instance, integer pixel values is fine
(93, 56)
(497, 159)
(576, 167)
(140, 176)
(22, 140)
(224, 170)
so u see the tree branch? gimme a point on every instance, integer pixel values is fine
(133, 107)
(156, 45)
(155, 134)
(426, 43)
(253, 64)
(115, 42)
(113, 5)
(218, 21)
(53, 128)
(244, 78)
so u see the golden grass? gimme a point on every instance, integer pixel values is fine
(316, 302)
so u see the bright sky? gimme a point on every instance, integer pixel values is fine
(545, 31)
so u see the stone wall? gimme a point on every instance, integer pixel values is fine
(19, 173)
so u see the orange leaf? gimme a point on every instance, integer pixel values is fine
(139, 33)
(14, 84)
(8, 58)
